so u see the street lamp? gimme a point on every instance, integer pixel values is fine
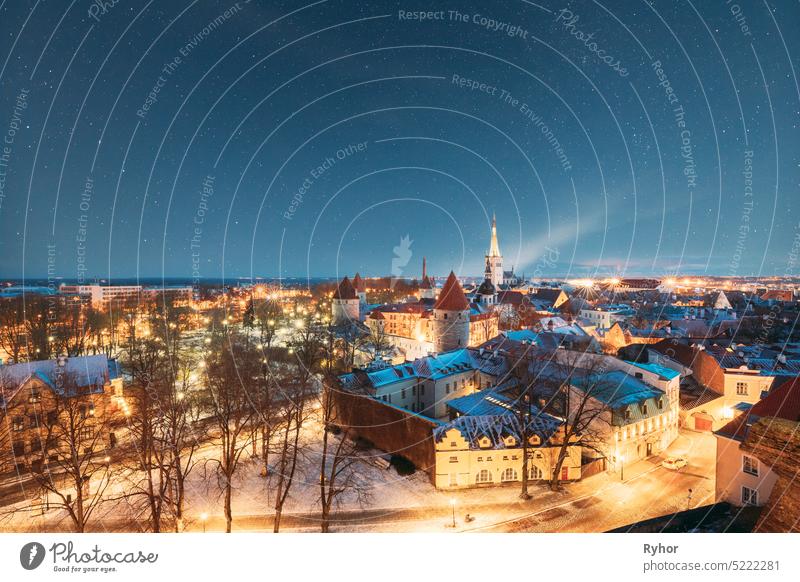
(453, 505)
(622, 467)
(204, 519)
(689, 500)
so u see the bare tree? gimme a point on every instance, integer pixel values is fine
(338, 472)
(75, 471)
(12, 328)
(575, 382)
(233, 370)
(308, 346)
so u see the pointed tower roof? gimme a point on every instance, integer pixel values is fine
(345, 290)
(452, 297)
(494, 249)
(359, 284)
(427, 283)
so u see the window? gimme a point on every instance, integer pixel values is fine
(536, 473)
(749, 496)
(644, 408)
(413, 390)
(627, 414)
(453, 444)
(483, 476)
(480, 459)
(403, 393)
(660, 403)
(639, 375)
(422, 390)
(741, 388)
(454, 459)
(35, 396)
(447, 388)
(509, 475)
(52, 417)
(86, 433)
(18, 424)
(750, 465)
(513, 457)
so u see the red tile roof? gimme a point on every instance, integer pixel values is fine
(781, 402)
(452, 296)
(345, 290)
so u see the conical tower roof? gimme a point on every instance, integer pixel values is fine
(345, 290)
(359, 284)
(452, 297)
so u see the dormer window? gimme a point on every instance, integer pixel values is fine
(484, 442)
(660, 403)
(644, 408)
(627, 414)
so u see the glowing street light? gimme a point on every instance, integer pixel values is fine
(204, 519)
(453, 505)
(622, 467)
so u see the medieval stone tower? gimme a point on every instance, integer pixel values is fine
(451, 317)
(345, 308)
(361, 288)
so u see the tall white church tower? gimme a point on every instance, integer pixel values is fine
(494, 260)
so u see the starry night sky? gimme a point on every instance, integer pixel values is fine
(308, 139)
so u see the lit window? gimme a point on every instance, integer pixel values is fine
(483, 476)
(454, 459)
(741, 388)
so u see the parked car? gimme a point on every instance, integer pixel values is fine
(674, 463)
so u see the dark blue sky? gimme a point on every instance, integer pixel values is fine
(623, 152)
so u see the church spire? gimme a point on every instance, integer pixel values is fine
(494, 249)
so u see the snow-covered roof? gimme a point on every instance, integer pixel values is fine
(497, 428)
(430, 367)
(84, 371)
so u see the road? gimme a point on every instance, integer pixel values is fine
(595, 504)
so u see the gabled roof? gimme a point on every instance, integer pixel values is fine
(427, 283)
(451, 297)
(345, 290)
(83, 372)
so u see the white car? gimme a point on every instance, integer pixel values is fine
(674, 463)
